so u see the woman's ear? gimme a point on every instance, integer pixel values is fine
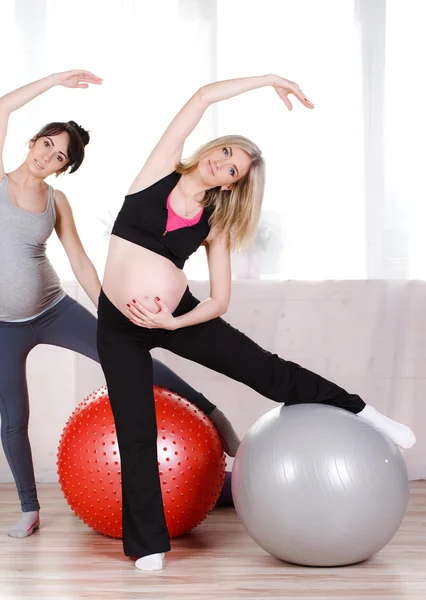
(226, 188)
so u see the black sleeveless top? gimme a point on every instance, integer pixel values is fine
(143, 217)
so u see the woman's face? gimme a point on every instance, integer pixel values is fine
(48, 155)
(224, 166)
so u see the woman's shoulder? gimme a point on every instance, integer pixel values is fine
(60, 201)
(157, 180)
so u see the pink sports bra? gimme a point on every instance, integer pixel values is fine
(175, 221)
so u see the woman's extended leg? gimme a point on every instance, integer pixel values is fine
(217, 345)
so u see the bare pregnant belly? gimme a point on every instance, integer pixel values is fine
(132, 271)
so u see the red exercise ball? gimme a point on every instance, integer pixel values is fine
(190, 461)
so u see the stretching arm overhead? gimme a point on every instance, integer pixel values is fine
(168, 151)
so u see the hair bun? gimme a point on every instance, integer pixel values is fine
(83, 133)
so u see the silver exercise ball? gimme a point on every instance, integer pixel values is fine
(316, 485)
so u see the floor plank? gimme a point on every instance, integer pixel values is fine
(65, 560)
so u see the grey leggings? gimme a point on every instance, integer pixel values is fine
(69, 325)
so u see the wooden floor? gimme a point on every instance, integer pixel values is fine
(66, 560)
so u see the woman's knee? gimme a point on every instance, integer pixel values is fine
(14, 425)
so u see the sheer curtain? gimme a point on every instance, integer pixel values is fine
(405, 135)
(344, 196)
(152, 56)
(313, 211)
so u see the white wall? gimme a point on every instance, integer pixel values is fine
(369, 337)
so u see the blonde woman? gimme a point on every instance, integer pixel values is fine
(173, 207)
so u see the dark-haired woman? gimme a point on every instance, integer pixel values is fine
(34, 309)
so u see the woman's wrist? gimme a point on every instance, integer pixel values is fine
(177, 323)
(272, 79)
(277, 81)
(54, 79)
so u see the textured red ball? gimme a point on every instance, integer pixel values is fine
(190, 458)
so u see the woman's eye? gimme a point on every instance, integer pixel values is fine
(232, 171)
(225, 151)
(46, 144)
(59, 157)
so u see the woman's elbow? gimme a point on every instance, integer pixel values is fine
(203, 96)
(223, 306)
(4, 108)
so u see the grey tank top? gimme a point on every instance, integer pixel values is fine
(28, 283)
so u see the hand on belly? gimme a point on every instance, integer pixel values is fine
(148, 302)
(150, 313)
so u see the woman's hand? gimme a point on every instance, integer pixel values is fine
(77, 79)
(284, 87)
(141, 316)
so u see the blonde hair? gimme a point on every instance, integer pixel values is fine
(236, 212)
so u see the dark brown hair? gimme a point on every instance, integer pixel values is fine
(79, 138)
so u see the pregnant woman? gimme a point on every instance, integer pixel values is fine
(173, 206)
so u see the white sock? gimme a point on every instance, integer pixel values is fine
(152, 562)
(401, 435)
(27, 524)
